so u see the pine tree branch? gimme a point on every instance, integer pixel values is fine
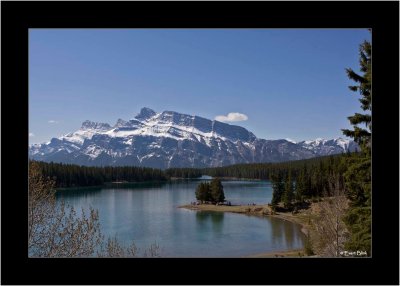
(358, 118)
(353, 88)
(354, 76)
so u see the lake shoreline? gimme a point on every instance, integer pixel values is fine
(257, 210)
(245, 209)
(109, 185)
(290, 253)
(260, 210)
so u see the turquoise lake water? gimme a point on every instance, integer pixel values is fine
(147, 213)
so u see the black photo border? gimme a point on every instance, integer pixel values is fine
(18, 17)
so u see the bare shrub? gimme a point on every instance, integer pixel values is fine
(329, 225)
(56, 230)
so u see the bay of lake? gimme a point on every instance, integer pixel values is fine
(147, 213)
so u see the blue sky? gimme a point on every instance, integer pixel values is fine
(284, 83)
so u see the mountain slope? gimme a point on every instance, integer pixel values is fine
(170, 139)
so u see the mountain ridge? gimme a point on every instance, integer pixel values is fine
(171, 139)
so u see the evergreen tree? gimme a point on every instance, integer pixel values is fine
(361, 135)
(358, 181)
(278, 188)
(289, 192)
(300, 186)
(217, 191)
(203, 192)
(358, 222)
(358, 175)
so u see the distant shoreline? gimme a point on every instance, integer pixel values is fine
(222, 178)
(245, 209)
(171, 179)
(110, 184)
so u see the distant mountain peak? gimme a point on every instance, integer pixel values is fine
(145, 113)
(120, 123)
(87, 124)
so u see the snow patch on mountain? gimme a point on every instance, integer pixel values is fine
(291, 140)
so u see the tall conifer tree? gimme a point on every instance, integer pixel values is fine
(278, 188)
(217, 191)
(363, 85)
(289, 192)
(358, 175)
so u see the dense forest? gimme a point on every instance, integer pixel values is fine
(264, 171)
(66, 175)
(261, 171)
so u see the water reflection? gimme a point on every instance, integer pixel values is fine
(78, 192)
(138, 185)
(147, 212)
(276, 231)
(288, 228)
(284, 232)
(216, 217)
(215, 220)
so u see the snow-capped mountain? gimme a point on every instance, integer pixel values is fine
(170, 139)
(327, 147)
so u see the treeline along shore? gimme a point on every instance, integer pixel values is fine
(68, 175)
